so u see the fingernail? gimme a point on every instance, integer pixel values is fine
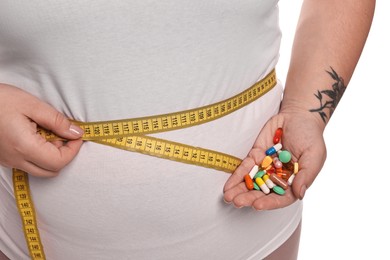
(257, 209)
(227, 202)
(302, 192)
(76, 130)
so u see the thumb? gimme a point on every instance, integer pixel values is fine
(310, 166)
(49, 118)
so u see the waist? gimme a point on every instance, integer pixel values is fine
(102, 166)
(111, 184)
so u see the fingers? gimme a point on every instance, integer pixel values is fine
(48, 159)
(310, 165)
(51, 157)
(303, 139)
(49, 118)
(274, 201)
(237, 177)
(37, 171)
(21, 147)
(236, 192)
(44, 159)
(240, 196)
(30, 152)
(255, 156)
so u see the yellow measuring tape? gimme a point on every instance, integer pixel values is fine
(131, 135)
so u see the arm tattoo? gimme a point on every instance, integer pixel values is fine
(329, 98)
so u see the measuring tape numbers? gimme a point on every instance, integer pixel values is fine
(132, 135)
(175, 151)
(27, 213)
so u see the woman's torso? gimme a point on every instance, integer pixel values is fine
(112, 60)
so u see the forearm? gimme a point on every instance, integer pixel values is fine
(328, 42)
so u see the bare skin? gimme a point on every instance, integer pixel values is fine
(328, 42)
(21, 146)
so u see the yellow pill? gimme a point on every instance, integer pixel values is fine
(264, 188)
(268, 182)
(296, 167)
(267, 161)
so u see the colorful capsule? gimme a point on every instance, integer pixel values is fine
(291, 179)
(270, 170)
(284, 174)
(274, 149)
(248, 182)
(264, 188)
(278, 181)
(296, 168)
(289, 166)
(259, 174)
(278, 135)
(254, 170)
(267, 161)
(277, 163)
(268, 182)
(277, 170)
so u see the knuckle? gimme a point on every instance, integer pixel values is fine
(54, 167)
(59, 119)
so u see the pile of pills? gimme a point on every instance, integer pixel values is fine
(277, 170)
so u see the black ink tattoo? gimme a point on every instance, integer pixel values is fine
(334, 95)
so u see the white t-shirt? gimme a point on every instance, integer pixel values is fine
(105, 60)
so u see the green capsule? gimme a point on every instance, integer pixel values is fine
(278, 190)
(255, 186)
(259, 174)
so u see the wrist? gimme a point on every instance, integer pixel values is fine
(321, 103)
(296, 108)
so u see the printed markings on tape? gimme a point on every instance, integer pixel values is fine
(175, 151)
(27, 212)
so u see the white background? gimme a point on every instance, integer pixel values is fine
(346, 211)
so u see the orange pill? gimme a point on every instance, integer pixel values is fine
(267, 161)
(285, 174)
(270, 170)
(248, 182)
(289, 165)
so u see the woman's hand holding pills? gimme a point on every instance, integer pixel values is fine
(284, 161)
